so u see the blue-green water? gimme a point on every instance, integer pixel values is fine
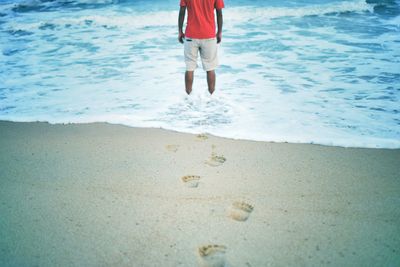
(324, 72)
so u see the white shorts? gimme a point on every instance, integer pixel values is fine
(208, 53)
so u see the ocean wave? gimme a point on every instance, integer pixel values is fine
(239, 12)
(395, 21)
(249, 13)
(46, 5)
(110, 21)
(233, 15)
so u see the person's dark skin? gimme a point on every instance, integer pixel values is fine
(181, 19)
(189, 75)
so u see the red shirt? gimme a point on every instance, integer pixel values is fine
(201, 18)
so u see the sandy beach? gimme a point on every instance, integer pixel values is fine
(108, 195)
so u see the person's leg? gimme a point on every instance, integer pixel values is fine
(209, 58)
(211, 81)
(189, 81)
(191, 51)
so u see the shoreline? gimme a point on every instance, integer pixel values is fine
(107, 194)
(326, 144)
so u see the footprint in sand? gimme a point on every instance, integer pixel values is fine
(212, 256)
(240, 211)
(215, 160)
(191, 180)
(202, 137)
(172, 148)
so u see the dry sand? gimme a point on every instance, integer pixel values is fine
(109, 195)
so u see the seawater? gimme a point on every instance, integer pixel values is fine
(309, 71)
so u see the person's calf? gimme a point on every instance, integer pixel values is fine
(211, 81)
(188, 81)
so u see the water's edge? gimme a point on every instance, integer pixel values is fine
(196, 133)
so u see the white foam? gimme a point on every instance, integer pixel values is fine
(168, 18)
(241, 14)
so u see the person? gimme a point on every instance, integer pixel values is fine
(200, 37)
